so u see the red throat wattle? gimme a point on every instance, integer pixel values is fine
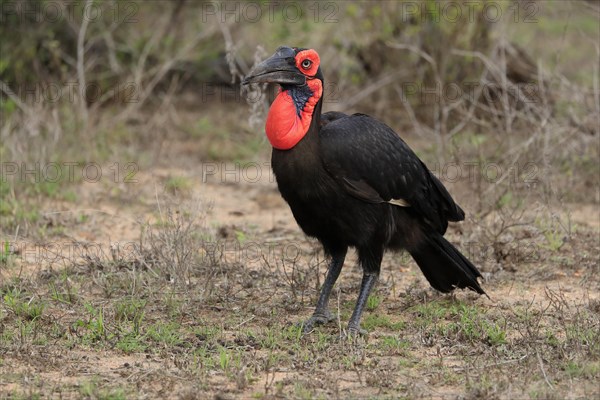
(285, 128)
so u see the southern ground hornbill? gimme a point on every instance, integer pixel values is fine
(350, 180)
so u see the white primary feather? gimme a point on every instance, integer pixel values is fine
(399, 202)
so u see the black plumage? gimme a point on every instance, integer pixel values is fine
(351, 181)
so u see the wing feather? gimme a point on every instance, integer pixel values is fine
(374, 164)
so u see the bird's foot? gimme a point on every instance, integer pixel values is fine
(316, 319)
(354, 331)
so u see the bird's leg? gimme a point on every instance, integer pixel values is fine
(368, 281)
(322, 315)
(370, 258)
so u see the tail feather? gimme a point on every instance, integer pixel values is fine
(444, 266)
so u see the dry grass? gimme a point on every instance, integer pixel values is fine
(188, 313)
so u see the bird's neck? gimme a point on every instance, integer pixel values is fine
(292, 112)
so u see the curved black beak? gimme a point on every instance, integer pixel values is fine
(279, 68)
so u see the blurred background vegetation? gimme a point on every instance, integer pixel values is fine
(495, 81)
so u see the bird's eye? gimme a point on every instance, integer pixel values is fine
(306, 64)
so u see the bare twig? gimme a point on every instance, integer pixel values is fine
(370, 89)
(4, 88)
(80, 62)
(543, 370)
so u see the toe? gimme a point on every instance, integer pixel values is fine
(317, 319)
(356, 331)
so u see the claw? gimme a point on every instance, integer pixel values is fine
(355, 331)
(317, 319)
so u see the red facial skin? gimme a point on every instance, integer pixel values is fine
(284, 127)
